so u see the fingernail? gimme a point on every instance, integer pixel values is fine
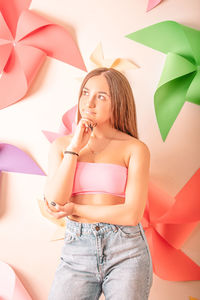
(53, 203)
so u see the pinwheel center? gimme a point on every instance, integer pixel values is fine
(198, 68)
(14, 43)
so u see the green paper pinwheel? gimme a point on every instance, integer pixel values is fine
(180, 79)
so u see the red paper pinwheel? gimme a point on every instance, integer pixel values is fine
(167, 222)
(25, 40)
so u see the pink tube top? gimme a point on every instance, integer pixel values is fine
(93, 178)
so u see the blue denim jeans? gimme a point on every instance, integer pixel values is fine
(102, 257)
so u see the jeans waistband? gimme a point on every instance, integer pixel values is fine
(100, 227)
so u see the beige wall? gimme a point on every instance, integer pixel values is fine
(24, 234)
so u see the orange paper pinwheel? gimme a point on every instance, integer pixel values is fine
(167, 222)
(25, 40)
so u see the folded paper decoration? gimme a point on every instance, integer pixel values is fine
(67, 125)
(152, 4)
(26, 39)
(168, 222)
(180, 78)
(120, 64)
(11, 287)
(13, 159)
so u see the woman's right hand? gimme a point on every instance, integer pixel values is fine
(82, 134)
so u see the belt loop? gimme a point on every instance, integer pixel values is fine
(79, 229)
(115, 228)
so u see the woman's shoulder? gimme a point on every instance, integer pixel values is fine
(131, 141)
(139, 151)
(137, 145)
(135, 148)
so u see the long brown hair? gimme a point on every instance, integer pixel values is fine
(122, 101)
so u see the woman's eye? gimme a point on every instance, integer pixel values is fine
(101, 97)
(85, 92)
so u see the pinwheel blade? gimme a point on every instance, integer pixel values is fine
(170, 36)
(11, 15)
(13, 159)
(53, 39)
(180, 77)
(152, 4)
(168, 262)
(11, 287)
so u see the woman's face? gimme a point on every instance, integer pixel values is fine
(95, 101)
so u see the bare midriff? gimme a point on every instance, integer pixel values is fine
(94, 199)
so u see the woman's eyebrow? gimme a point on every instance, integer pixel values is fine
(103, 93)
(100, 92)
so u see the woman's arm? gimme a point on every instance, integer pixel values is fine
(61, 171)
(129, 213)
(59, 183)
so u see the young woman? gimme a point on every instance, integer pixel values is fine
(98, 179)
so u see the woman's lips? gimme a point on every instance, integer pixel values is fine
(89, 112)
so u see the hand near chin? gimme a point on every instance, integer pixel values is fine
(82, 134)
(59, 211)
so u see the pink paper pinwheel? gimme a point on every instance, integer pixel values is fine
(13, 159)
(67, 126)
(10, 286)
(168, 222)
(25, 40)
(152, 4)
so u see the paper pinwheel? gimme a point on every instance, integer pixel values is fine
(180, 78)
(67, 126)
(25, 40)
(13, 159)
(120, 64)
(167, 222)
(152, 4)
(11, 287)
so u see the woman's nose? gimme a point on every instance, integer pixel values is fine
(91, 101)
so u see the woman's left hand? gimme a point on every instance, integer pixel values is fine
(59, 211)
